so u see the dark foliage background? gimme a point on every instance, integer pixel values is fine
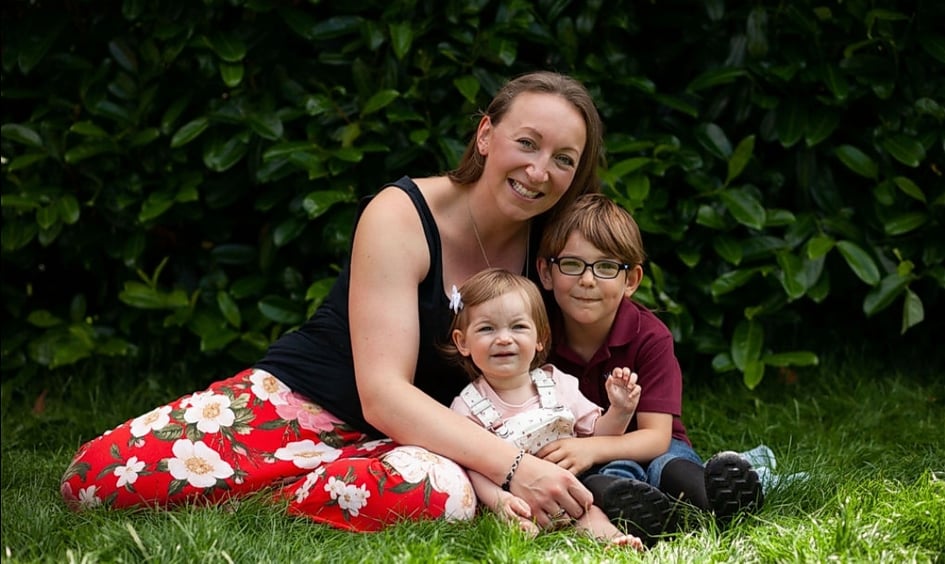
(179, 178)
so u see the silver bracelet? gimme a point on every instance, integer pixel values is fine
(515, 463)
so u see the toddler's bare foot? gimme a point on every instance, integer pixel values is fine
(626, 540)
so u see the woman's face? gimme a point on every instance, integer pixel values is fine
(532, 154)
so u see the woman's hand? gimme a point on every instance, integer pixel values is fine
(549, 489)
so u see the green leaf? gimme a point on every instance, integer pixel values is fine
(189, 131)
(228, 46)
(740, 158)
(790, 120)
(857, 161)
(401, 37)
(232, 74)
(288, 230)
(909, 188)
(87, 150)
(142, 296)
(379, 101)
(711, 136)
(268, 126)
(819, 245)
(715, 77)
(43, 319)
(753, 374)
(793, 358)
(746, 343)
(884, 294)
(156, 204)
(220, 155)
(793, 276)
(934, 45)
(281, 310)
(731, 281)
(912, 311)
(123, 55)
(722, 362)
(905, 223)
(628, 166)
(859, 261)
(234, 253)
(729, 248)
(318, 202)
(468, 86)
(835, 81)
(907, 150)
(821, 123)
(22, 134)
(229, 309)
(744, 207)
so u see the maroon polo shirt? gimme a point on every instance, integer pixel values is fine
(641, 341)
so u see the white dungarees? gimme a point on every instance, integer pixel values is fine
(532, 429)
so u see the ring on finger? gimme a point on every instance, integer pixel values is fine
(558, 514)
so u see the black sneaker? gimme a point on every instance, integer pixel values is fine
(731, 486)
(635, 507)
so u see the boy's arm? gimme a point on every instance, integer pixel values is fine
(649, 440)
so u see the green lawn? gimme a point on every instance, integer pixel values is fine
(869, 433)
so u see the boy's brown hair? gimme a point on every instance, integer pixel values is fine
(490, 284)
(600, 220)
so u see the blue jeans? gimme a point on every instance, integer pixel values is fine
(650, 473)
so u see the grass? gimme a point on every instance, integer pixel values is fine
(869, 433)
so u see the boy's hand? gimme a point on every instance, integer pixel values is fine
(622, 390)
(574, 455)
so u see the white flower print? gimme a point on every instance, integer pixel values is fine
(371, 445)
(350, 498)
(87, 497)
(197, 463)
(268, 388)
(128, 474)
(151, 421)
(210, 412)
(416, 464)
(303, 492)
(307, 454)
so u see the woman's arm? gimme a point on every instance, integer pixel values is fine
(389, 259)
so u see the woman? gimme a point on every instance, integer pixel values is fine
(366, 365)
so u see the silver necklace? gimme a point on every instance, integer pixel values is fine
(476, 232)
(482, 248)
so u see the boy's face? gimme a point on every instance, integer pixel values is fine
(587, 299)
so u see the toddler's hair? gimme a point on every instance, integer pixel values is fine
(490, 284)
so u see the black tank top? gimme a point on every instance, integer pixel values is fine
(315, 360)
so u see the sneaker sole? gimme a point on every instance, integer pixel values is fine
(639, 509)
(732, 486)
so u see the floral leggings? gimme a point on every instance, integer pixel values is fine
(249, 433)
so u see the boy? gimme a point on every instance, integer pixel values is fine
(590, 259)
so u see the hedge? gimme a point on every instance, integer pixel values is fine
(181, 177)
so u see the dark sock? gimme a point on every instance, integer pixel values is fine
(685, 480)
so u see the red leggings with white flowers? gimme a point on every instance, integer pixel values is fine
(250, 433)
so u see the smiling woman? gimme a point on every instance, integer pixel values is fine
(319, 418)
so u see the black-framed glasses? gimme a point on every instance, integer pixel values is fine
(573, 266)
